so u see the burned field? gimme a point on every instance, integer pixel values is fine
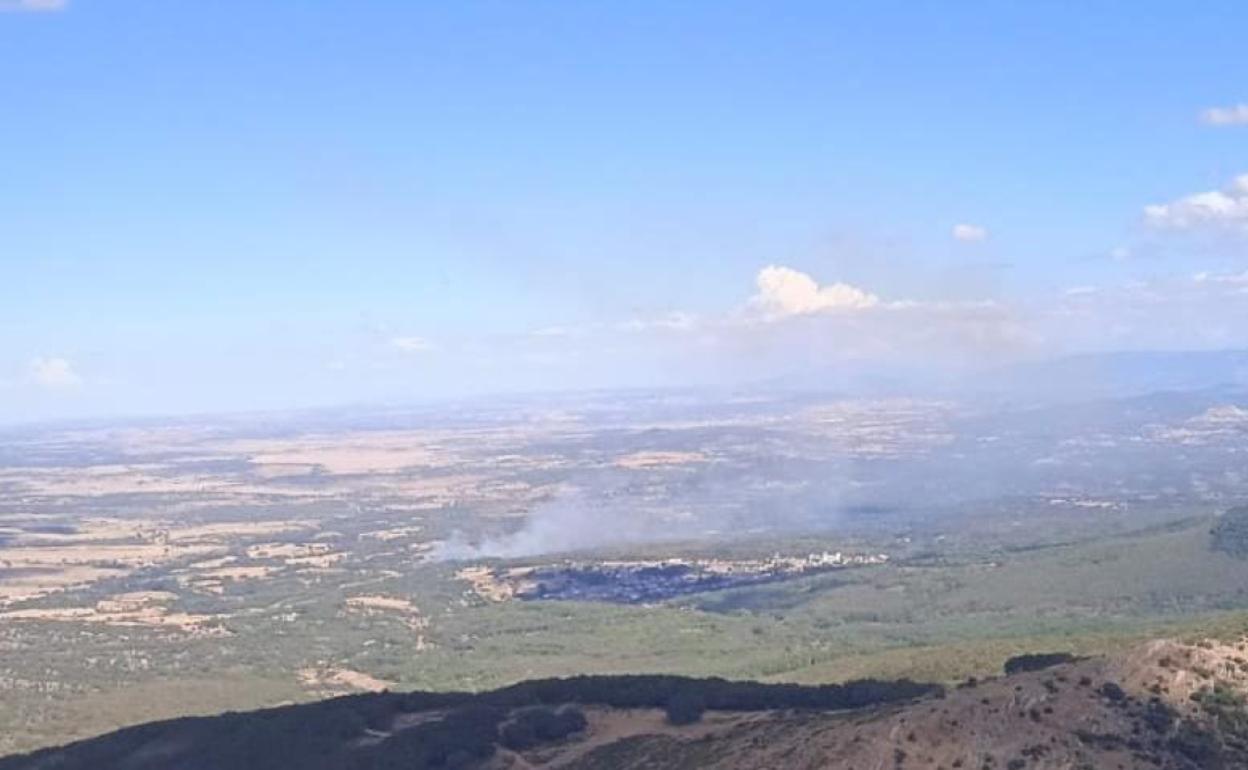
(629, 584)
(648, 582)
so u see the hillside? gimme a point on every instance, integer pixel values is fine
(1163, 704)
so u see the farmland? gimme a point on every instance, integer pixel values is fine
(193, 566)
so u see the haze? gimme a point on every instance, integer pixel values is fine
(237, 205)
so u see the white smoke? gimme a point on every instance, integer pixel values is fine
(573, 522)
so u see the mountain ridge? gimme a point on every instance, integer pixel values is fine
(1162, 704)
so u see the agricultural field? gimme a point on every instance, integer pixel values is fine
(175, 567)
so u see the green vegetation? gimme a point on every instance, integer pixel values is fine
(461, 728)
(928, 619)
(1230, 532)
(535, 725)
(1037, 661)
(684, 708)
(1107, 544)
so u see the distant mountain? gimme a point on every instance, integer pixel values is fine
(1165, 705)
(1122, 374)
(1080, 377)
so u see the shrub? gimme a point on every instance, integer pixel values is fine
(1113, 692)
(540, 724)
(1230, 532)
(518, 735)
(1037, 661)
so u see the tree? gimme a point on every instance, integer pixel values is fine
(1230, 532)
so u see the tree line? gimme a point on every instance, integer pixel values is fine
(356, 732)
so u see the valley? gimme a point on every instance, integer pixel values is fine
(181, 567)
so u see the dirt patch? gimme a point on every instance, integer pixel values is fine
(399, 607)
(335, 680)
(647, 460)
(142, 608)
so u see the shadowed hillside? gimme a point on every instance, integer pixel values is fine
(1163, 704)
(432, 730)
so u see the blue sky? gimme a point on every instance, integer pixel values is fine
(233, 205)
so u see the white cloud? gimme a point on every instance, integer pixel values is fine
(1216, 208)
(1120, 253)
(676, 321)
(556, 331)
(1235, 115)
(412, 344)
(1234, 279)
(1080, 291)
(53, 373)
(1180, 312)
(970, 233)
(783, 292)
(33, 6)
